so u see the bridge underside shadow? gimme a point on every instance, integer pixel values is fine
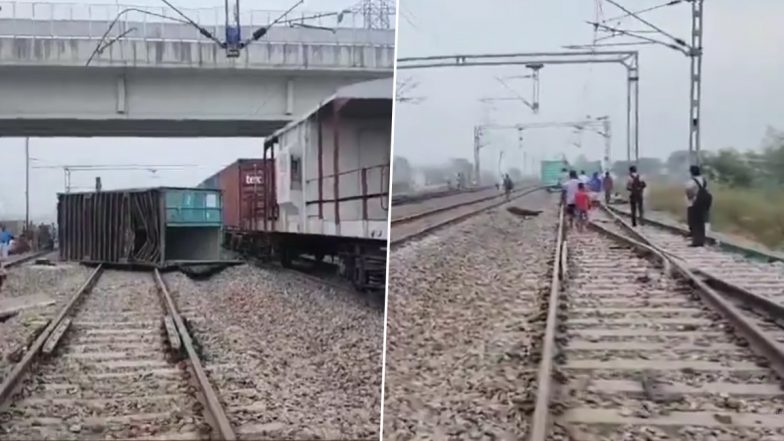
(138, 128)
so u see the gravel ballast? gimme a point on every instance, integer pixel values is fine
(290, 358)
(57, 282)
(463, 324)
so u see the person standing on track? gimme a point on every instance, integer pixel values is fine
(584, 177)
(595, 187)
(5, 243)
(607, 186)
(508, 186)
(582, 204)
(699, 204)
(636, 186)
(570, 188)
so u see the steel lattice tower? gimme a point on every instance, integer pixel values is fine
(376, 14)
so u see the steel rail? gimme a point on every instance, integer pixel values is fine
(765, 305)
(10, 383)
(420, 233)
(773, 309)
(214, 406)
(540, 423)
(19, 261)
(729, 246)
(762, 343)
(412, 198)
(643, 246)
(415, 216)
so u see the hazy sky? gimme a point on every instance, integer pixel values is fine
(207, 155)
(742, 92)
(743, 87)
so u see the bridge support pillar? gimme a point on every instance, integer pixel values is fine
(121, 95)
(289, 96)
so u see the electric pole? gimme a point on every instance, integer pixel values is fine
(607, 142)
(500, 160)
(695, 52)
(477, 146)
(27, 182)
(520, 146)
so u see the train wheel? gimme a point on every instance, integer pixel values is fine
(359, 279)
(285, 258)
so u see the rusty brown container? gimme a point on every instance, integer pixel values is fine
(247, 196)
(154, 226)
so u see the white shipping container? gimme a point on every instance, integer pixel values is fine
(343, 191)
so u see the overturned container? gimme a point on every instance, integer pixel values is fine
(153, 227)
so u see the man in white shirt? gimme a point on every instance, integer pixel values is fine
(584, 178)
(563, 177)
(569, 191)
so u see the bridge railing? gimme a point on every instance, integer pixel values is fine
(76, 20)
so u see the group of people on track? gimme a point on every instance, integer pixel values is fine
(580, 194)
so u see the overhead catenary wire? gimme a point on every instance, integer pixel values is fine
(201, 29)
(99, 48)
(615, 32)
(693, 50)
(184, 19)
(594, 38)
(642, 11)
(677, 40)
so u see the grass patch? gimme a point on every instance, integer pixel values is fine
(751, 213)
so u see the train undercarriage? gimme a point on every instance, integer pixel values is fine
(361, 262)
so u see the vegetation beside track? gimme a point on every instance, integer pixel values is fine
(751, 213)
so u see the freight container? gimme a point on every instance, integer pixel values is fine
(591, 167)
(552, 173)
(332, 166)
(246, 201)
(156, 226)
(320, 189)
(331, 181)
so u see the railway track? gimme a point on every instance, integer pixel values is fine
(422, 222)
(19, 260)
(116, 362)
(743, 271)
(289, 357)
(421, 197)
(638, 346)
(465, 316)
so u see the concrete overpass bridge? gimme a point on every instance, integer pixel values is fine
(162, 78)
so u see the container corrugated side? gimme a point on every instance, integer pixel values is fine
(118, 227)
(551, 172)
(244, 185)
(255, 198)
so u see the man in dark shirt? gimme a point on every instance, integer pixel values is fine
(636, 186)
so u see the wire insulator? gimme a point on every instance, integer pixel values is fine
(260, 32)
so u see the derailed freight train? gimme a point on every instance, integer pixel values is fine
(321, 187)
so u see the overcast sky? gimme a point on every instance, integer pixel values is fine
(743, 91)
(743, 88)
(204, 155)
